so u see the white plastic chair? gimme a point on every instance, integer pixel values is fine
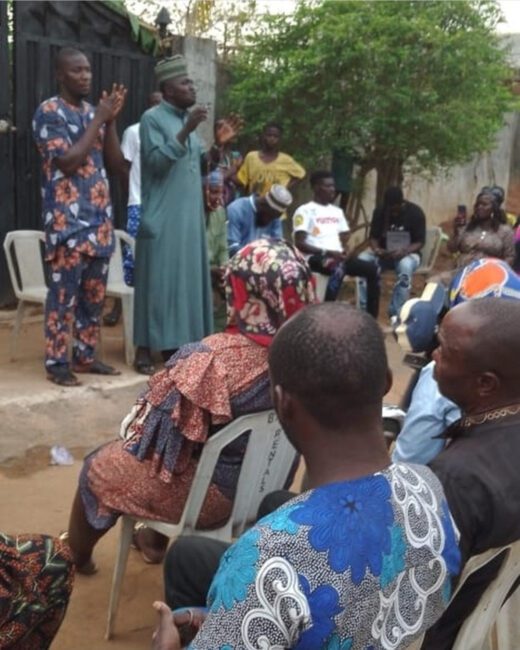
(117, 288)
(23, 252)
(477, 627)
(322, 281)
(321, 285)
(475, 632)
(266, 465)
(430, 250)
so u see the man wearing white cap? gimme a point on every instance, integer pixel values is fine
(173, 304)
(253, 217)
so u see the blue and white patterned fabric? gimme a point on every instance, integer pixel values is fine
(363, 564)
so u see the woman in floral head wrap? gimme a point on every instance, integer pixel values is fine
(204, 386)
(267, 281)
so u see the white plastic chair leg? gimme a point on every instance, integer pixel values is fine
(16, 328)
(128, 327)
(125, 540)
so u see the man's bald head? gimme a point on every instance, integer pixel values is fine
(333, 358)
(477, 361)
(496, 340)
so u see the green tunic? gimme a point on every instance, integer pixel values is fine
(216, 236)
(172, 283)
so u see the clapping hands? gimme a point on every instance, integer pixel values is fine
(110, 105)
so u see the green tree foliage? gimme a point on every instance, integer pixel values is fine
(421, 83)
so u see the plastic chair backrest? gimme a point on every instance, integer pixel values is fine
(265, 467)
(23, 253)
(115, 269)
(477, 626)
(321, 285)
(430, 250)
(476, 629)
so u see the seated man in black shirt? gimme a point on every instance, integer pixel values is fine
(397, 234)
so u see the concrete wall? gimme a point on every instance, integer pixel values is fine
(201, 55)
(440, 197)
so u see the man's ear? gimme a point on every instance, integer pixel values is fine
(283, 404)
(389, 380)
(488, 384)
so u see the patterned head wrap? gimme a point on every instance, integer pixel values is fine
(267, 281)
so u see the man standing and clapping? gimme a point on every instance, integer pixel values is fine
(76, 141)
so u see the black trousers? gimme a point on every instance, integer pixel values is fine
(192, 561)
(353, 266)
(516, 263)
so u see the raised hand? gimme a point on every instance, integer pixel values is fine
(195, 117)
(228, 128)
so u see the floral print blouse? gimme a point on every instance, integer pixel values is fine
(365, 564)
(76, 209)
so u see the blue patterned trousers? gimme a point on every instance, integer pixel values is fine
(77, 286)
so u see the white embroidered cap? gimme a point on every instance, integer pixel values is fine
(279, 198)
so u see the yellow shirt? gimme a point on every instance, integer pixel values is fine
(257, 176)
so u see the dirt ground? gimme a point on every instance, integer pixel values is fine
(36, 497)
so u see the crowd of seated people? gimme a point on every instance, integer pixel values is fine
(350, 537)
(369, 554)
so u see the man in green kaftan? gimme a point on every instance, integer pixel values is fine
(173, 304)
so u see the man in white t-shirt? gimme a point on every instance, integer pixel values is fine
(131, 148)
(321, 233)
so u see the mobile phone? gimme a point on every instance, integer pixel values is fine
(461, 217)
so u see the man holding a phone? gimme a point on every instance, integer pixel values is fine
(397, 235)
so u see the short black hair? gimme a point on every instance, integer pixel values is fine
(273, 125)
(333, 358)
(393, 196)
(66, 53)
(496, 344)
(319, 175)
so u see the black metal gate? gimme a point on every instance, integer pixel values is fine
(6, 150)
(41, 28)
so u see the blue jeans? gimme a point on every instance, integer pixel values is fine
(404, 269)
(132, 226)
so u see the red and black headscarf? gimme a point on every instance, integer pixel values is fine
(267, 281)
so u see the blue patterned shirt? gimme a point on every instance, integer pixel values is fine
(242, 226)
(363, 564)
(76, 209)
